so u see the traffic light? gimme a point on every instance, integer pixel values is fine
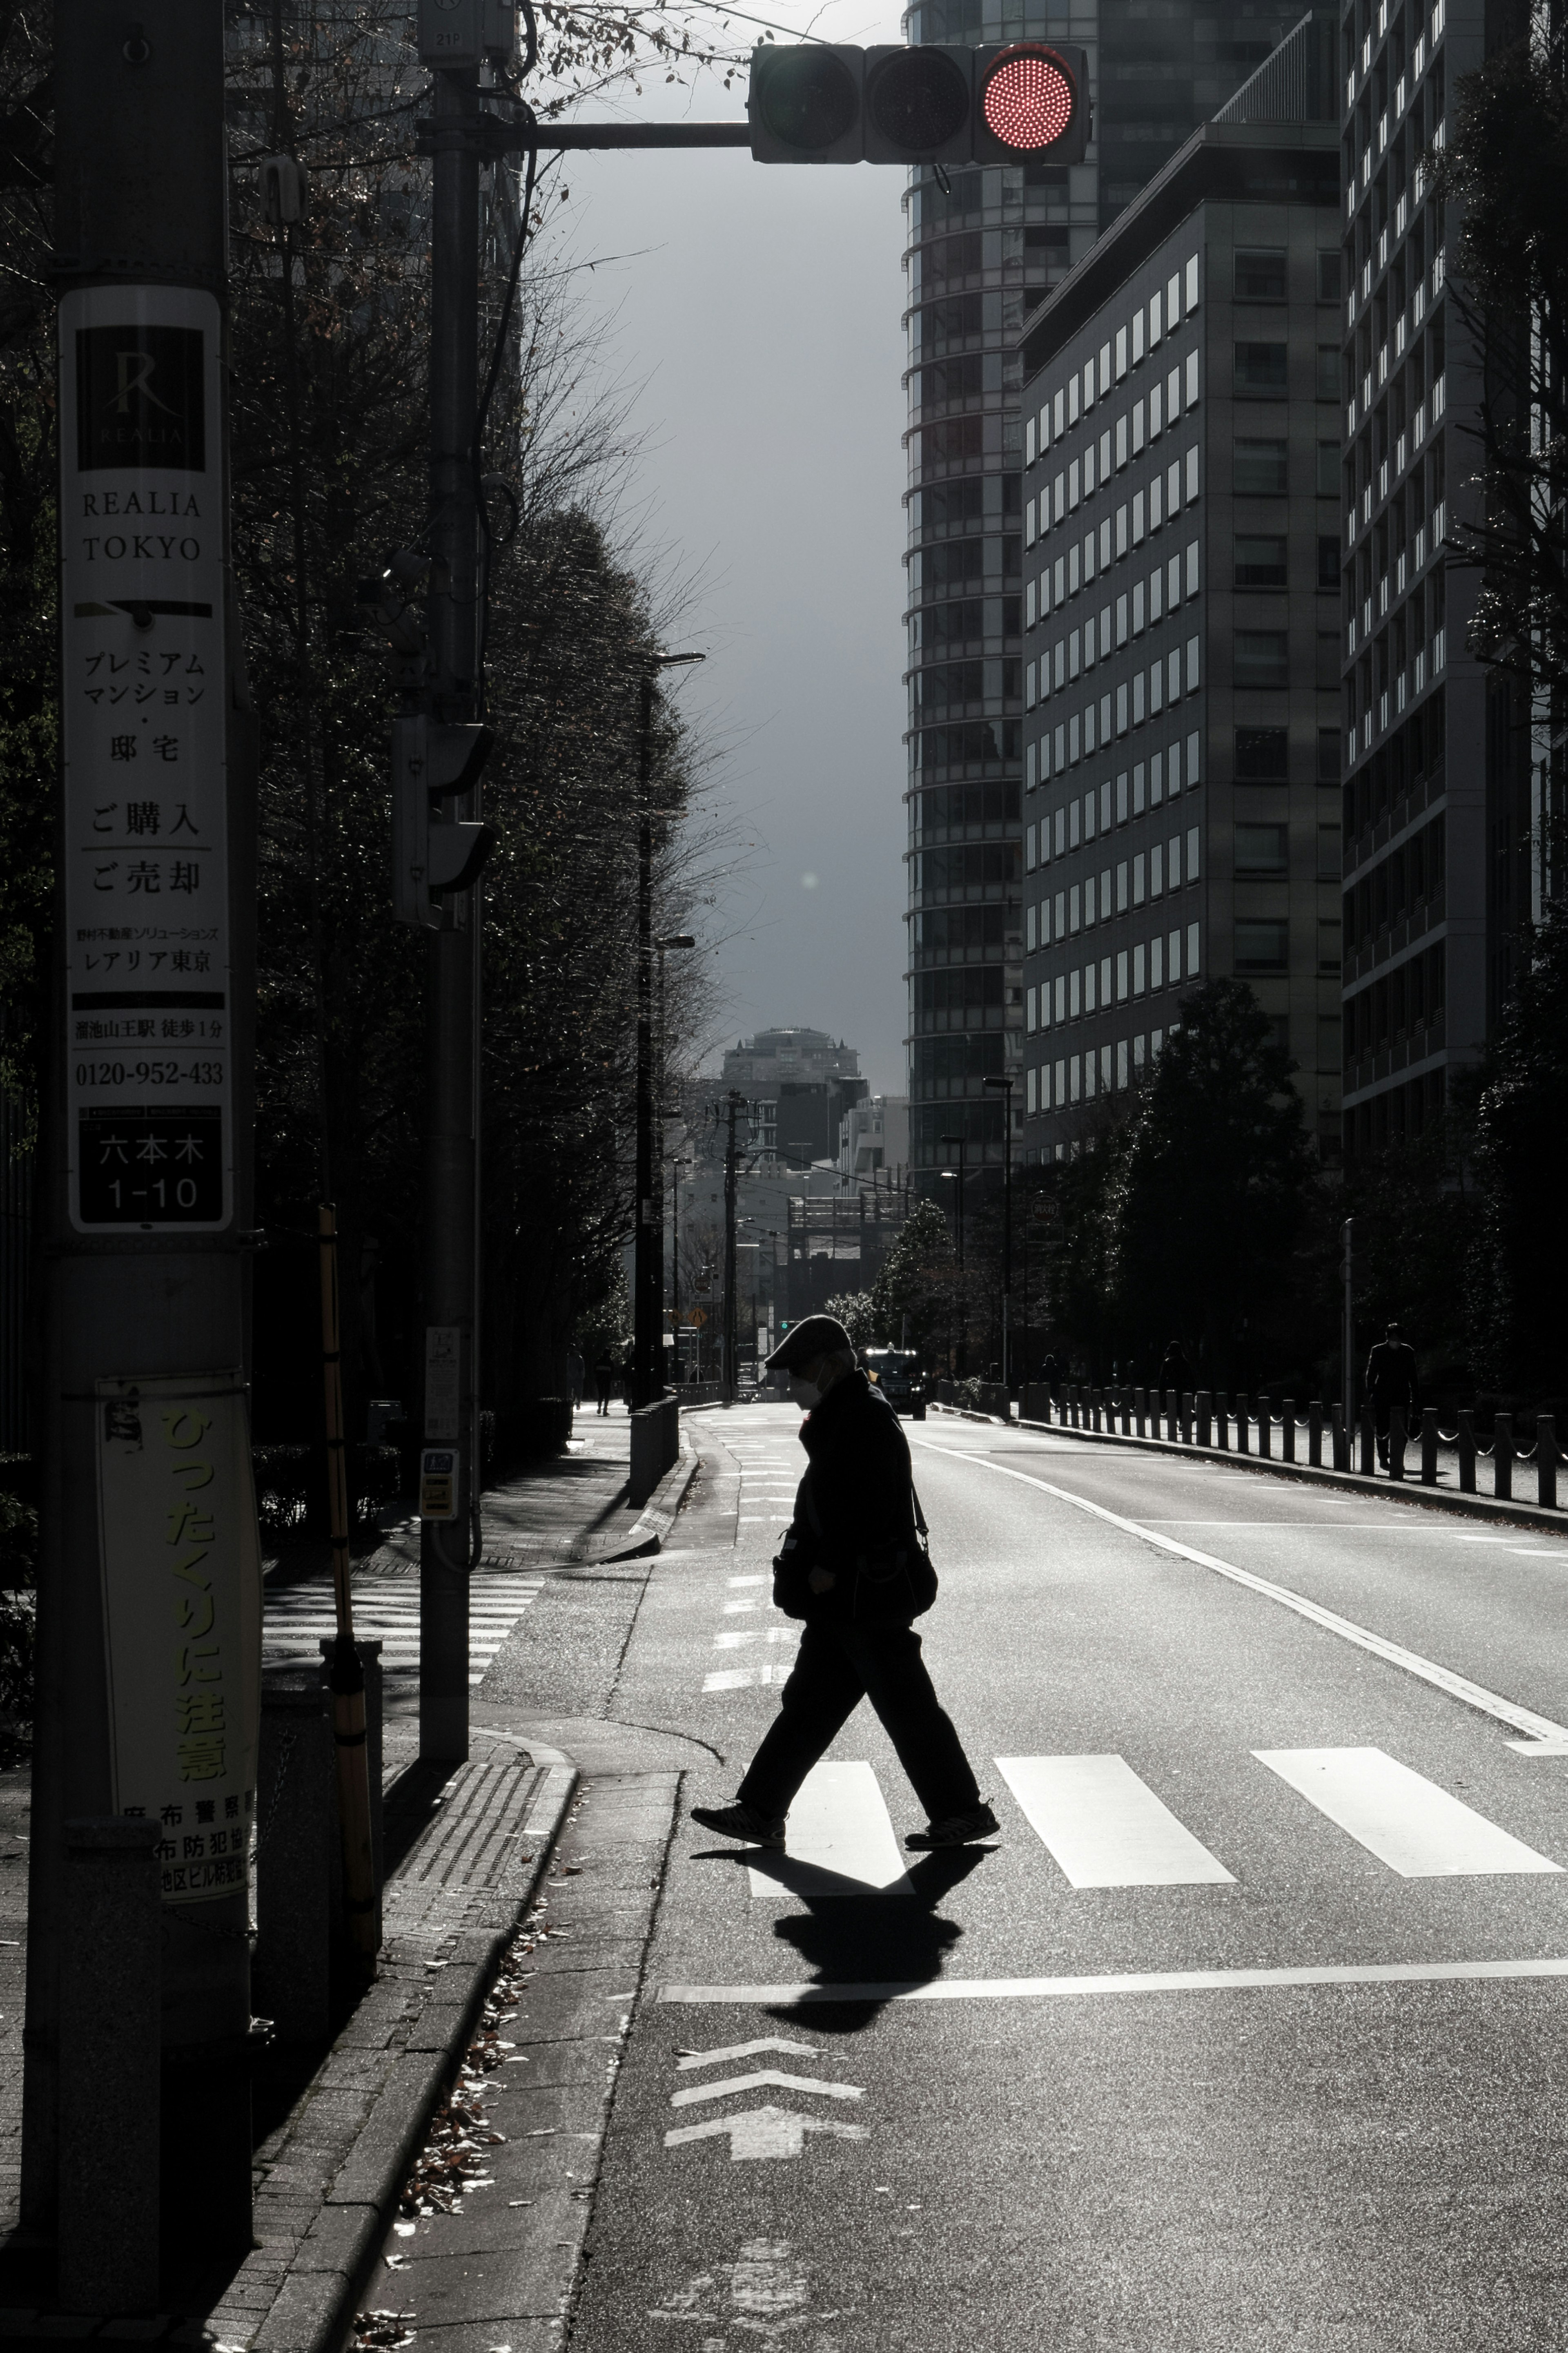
(467, 32)
(1006, 102)
(431, 854)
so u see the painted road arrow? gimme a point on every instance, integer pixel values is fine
(749, 2051)
(754, 2082)
(766, 2132)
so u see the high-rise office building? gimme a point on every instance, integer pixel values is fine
(983, 247)
(1437, 770)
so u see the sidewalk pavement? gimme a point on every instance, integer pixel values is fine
(466, 1854)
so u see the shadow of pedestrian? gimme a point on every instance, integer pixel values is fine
(865, 1950)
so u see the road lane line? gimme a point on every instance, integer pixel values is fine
(839, 1827)
(1407, 1821)
(1460, 1687)
(1105, 1827)
(1370, 1973)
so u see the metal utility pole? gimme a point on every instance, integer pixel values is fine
(148, 1662)
(449, 1501)
(1347, 1374)
(734, 1103)
(648, 1284)
(1005, 1085)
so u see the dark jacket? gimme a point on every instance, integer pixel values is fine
(856, 1496)
(1391, 1372)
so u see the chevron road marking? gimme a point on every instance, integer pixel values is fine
(761, 2078)
(764, 2132)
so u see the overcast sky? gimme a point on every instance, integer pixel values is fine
(758, 327)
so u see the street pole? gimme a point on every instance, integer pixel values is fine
(145, 1186)
(452, 1037)
(1348, 1366)
(963, 1299)
(733, 1102)
(1005, 1085)
(647, 1287)
(660, 1113)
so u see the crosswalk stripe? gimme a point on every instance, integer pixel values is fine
(840, 1840)
(1105, 1827)
(1418, 1828)
(387, 1610)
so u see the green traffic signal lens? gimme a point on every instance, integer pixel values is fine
(919, 101)
(809, 98)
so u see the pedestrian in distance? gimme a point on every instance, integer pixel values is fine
(575, 1377)
(854, 1567)
(1390, 1382)
(1175, 1373)
(603, 1377)
(1050, 1373)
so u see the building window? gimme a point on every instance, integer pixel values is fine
(1328, 560)
(1262, 850)
(1262, 755)
(1262, 657)
(1260, 274)
(1328, 276)
(1259, 469)
(1328, 755)
(1262, 945)
(1328, 469)
(1262, 367)
(1329, 377)
(1260, 562)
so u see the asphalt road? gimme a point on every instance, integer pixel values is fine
(1086, 2097)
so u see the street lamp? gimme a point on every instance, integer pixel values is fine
(665, 1111)
(1005, 1085)
(964, 1297)
(647, 1304)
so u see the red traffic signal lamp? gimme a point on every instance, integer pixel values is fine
(1011, 103)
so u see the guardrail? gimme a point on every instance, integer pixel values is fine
(1212, 1419)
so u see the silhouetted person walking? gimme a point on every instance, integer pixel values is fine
(853, 1566)
(603, 1378)
(1390, 1382)
(1175, 1373)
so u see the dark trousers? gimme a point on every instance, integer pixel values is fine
(839, 1665)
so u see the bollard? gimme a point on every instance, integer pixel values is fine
(1430, 1446)
(1368, 1443)
(1206, 1418)
(1265, 1427)
(1396, 1441)
(1502, 1456)
(1243, 1430)
(374, 1735)
(1186, 1416)
(1546, 1460)
(1126, 1412)
(1467, 1421)
(110, 1972)
(1140, 1409)
(1096, 1401)
(1315, 1433)
(1072, 1404)
(1173, 1407)
(1341, 1443)
(296, 1858)
(1221, 1422)
(1288, 1430)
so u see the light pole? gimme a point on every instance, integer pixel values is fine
(677, 1164)
(964, 1305)
(647, 1306)
(1004, 1085)
(664, 1111)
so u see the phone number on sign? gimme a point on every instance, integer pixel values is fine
(149, 1074)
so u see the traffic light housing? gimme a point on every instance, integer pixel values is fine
(1006, 102)
(467, 32)
(433, 855)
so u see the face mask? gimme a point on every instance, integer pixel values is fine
(803, 1393)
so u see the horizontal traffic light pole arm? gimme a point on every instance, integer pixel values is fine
(494, 136)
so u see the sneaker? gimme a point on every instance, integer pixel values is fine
(956, 1830)
(742, 1821)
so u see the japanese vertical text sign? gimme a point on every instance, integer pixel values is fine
(182, 1594)
(149, 1019)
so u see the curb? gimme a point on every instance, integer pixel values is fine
(1394, 1491)
(650, 1529)
(382, 2079)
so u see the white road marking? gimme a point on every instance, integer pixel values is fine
(737, 1609)
(804, 1997)
(765, 2132)
(1461, 1687)
(1105, 1827)
(738, 1637)
(734, 1582)
(839, 1827)
(760, 2079)
(742, 1678)
(387, 1608)
(1418, 1828)
(748, 2051)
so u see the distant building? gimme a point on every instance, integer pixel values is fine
(874, 1140)
(799, 1085)
(1181, 608)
